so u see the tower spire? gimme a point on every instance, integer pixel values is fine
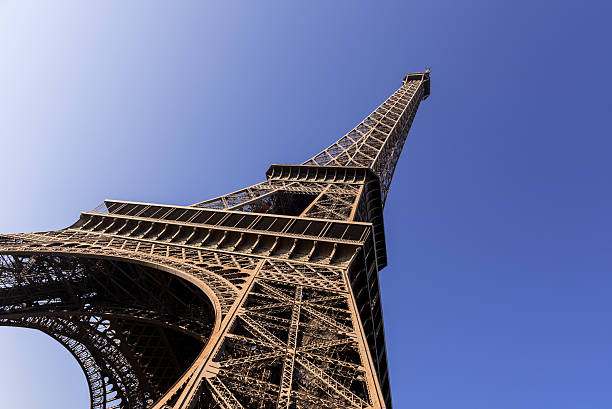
(377, 141)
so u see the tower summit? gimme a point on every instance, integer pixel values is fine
(267, 297)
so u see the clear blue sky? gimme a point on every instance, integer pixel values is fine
(497, 294)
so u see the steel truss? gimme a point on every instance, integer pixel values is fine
(267, 297)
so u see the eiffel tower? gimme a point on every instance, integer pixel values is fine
(267, 297)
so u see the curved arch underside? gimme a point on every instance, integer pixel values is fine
(284, 334)
(134, 329)
(147, 337)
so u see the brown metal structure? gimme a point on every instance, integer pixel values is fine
(267, 297)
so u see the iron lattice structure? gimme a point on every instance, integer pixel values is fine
(267, 297)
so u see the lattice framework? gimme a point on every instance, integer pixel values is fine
(266, 297)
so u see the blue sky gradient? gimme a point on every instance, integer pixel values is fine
(497, 293)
